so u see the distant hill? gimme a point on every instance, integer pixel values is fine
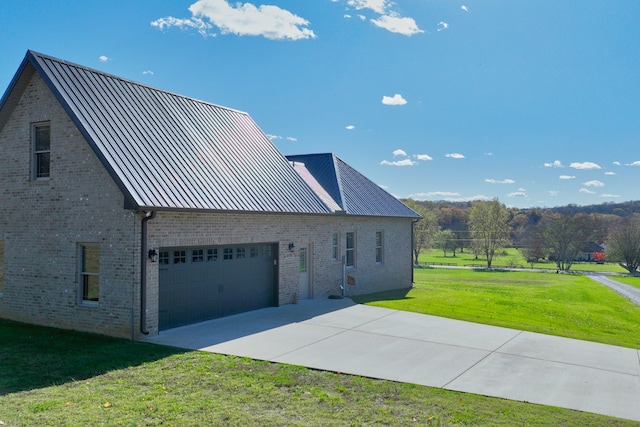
(622, 209)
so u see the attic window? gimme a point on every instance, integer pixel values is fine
(41, 133)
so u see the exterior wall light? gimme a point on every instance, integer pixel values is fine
(153, 255)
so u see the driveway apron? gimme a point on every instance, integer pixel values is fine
(340, 336)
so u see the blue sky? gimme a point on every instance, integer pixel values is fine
(536, 103)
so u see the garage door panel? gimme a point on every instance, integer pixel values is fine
(197, 284)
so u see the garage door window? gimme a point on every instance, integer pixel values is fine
(197, 255)
(163, 257)
(240, 253)
(228, 253)
(212, 254)
(179, 257)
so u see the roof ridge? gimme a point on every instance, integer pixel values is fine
(33, 54)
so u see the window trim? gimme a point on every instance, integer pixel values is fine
(335, 246)
(36, 153)
(350, 250)
(82, 274)
(379, 247)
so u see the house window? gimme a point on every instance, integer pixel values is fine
(1, 267)
(41, 151)
(179, 257)
(212, 254)
(197, 255)
(379, 247)
(334, 247)
(163, 258)
(351, 249)
(89, 254)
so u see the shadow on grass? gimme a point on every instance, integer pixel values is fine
(33, 357)
(400, 294)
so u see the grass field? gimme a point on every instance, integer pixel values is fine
(557, 304)
(633, 281)
(50, 377)
(511, 258)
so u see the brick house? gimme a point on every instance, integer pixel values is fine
(126, 210)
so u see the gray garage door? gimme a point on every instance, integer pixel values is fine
(203, 283)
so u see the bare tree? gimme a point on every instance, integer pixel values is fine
(566, 235)
(623, 243)
(490, 229)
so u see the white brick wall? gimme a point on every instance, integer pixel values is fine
(42, 222)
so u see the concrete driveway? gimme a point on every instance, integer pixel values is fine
(338, 335)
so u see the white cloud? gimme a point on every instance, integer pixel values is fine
(434, 194)
(585, 165)
(609, 173)
(397, 24)
(610, 196)
(520, 193)
(403, 162)
(350, 127)
(617, 163)
(276, 137)
(242, 19)
(148, 73)
(442, 25)
(584, 190)
(593, 183)
(495, 181)
(465, 8)
(636, 163)
(488, 154)
(567, 177)
(454, 155)
(389, 20)
(424, 157)
(195, 23)
(554, 164)
(554, 193)
(103, 58)
(399, 152)
(396, 99)
(469, 198)
(378, 6)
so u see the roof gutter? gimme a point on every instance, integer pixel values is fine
(143, 271)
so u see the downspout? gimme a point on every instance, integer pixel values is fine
(413, 224)
(143, 271)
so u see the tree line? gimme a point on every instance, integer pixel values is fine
(558, 234)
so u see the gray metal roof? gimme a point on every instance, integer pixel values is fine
(167, 151)
(352, 191)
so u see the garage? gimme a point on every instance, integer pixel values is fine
(202, 283)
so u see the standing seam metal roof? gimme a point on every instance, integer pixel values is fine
(168, 151)
(355, 193)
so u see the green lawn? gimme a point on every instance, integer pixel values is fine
(513, 258)
(50, 377)
(557, 304)
(633, 281)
